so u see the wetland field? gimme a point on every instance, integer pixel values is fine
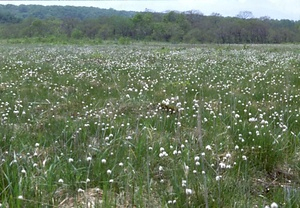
(149, 125)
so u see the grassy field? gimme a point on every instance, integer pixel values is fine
(149, 125)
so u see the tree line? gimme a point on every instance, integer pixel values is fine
(172, 26)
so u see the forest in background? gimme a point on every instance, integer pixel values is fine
(52, 23)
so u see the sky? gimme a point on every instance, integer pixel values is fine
(275, 9)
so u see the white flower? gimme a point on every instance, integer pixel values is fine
(88, 159)
(183, 183)
(197, 158)
(188, 191)
(103, 161)
(274, 205)
(108, 172)
(208, 147)
(60, 180)
(252, 119)
(70, 160)
(228, 166)
(20, 197)
(244, 157)
(222, 165)
(80, 190)
(218, 178)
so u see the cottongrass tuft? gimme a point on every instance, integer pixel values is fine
(188, 191)
(274, 205)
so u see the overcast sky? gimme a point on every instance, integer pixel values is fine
(276, 9)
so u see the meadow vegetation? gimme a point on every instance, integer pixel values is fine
(149, 125)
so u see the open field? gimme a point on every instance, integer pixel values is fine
(149, 125)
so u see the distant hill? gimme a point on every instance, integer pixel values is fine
(60, 12)
(52, 23)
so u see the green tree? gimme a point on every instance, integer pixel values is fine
(77, 34)
(143, 25)
(67, 25)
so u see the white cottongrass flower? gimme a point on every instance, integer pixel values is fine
(60, 180)
(188, 191)
(183, 183)
(252, 119)
(222, 165)
(186, 168)
(228, 155)
(103, 161)
(88, 159)
(274, 205)
(80, 190)
(208, 147)
(163, 154)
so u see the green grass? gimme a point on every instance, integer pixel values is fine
(86, 123)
